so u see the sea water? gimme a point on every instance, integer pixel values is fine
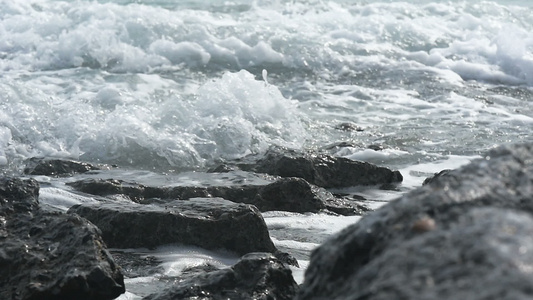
(162, 87)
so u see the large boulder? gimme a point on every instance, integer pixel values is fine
(285, 194)
(325, 170)
(456, 222)
(258, 276)
(50, 255)
(204, 222)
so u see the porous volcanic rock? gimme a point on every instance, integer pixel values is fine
(56, 167)
(50, 255)
(477, 217)
(204, 222)
(258, 276)
(324, 170)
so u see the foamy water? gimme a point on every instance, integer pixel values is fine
(168, 86)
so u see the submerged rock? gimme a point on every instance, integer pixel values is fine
(208, 223)
(50, 255)
(56, 167)
(325, 170)
(461, 236)
(285, 194)
(256, 276)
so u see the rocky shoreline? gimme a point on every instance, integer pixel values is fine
(415, 247)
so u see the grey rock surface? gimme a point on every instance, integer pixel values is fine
(204, 222)
(285, 194)
(435, 176)
(57, 167)
(258, 276)
(325, 170)
(50, 255)
(421, 232)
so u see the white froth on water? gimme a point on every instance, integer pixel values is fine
(147, 125)
(179, 85)
(414, 175)
(176, 259)
(61, 199)
(300, 234)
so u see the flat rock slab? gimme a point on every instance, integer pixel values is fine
(57, 167)
(502, 180)
(258, 276)
(204, 222)
(285, 194)
(325, 170)
(46, 255)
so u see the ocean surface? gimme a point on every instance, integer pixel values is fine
(167, 89)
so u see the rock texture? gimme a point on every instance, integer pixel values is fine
(285, 194)
(466, 235)
(203, 222)
(325, 170)
(256, 276)
(435, 176)
(56, 167)
(45, 255)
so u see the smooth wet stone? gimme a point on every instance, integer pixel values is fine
(438, 222)
(324, 170)
(285, 194)
(258, 276)
(50, 255)
(57, 167)
(208, 223)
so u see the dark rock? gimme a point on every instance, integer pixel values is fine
(50, 255)
(106, 187)
(441, 222)
(222, 168)
(338, 145)
(285, 194)
(349, 127)
(17, 195)
(136, 265)
(376, 147)
(56, 167)
(208, 223)
(291, 194)
(485, 254)
(325, 170)
(256, 276)
(436, 176)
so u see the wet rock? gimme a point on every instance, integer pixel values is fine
(436, 176)
(339, 145)
(50, 255)
(454, 238)
(325, 170)
(483, 255)
(256, 276)
(136, 265)
(18, 196)
(56, 167)
(208, 223)
(376, 147)
(349, 127)
(106, 187)
(284, 194)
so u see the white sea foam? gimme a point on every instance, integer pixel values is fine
(60, 199)
(158, 85)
